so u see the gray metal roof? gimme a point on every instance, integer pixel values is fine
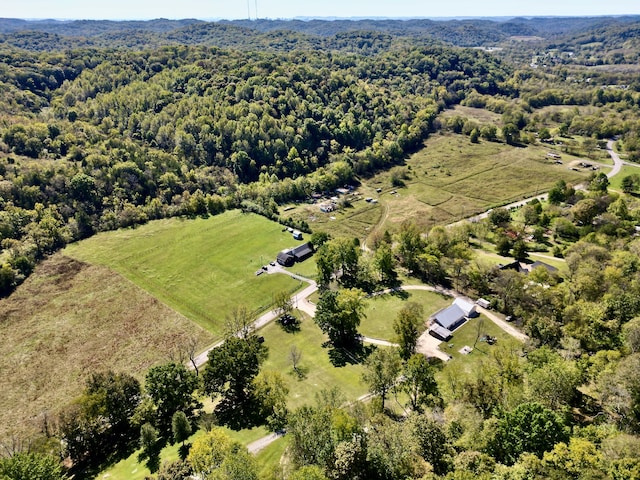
(442, 332)
(450, 317)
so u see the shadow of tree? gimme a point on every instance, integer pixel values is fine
(289, 323)
(239, 414)
(342, 356)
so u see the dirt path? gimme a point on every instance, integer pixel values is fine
(378, 226)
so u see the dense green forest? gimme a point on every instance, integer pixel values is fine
(100, 139)
(106, 125)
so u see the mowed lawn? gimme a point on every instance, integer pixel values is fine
(319, 373)
(203, 268)
(382, 310)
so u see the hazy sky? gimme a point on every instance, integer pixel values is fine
(231, 9)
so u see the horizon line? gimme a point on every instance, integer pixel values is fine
(322, 18)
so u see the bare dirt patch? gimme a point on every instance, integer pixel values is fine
(70, 319)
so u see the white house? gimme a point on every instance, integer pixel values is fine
(468, 308)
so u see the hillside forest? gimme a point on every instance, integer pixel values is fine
(110, 125)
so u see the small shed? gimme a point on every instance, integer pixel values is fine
(440, 333)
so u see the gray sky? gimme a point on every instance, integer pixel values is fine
(232, 9)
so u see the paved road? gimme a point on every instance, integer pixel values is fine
(617, 162)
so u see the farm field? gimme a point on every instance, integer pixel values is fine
(448, 180)
(452, 179)
(203, 268)
(355, 221)
(382, 310)
(69, 319)
(480, 115)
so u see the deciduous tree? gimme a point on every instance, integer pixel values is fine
(381, 371)
(419, 382)
(408, 326)
(231, 369)
(172, 388)
(529, 427)
(339, 314)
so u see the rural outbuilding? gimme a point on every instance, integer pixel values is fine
(286, 258)
(440, 333)
(302, 252)
(483, 303)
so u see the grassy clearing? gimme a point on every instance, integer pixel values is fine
(318, 371)
(615, 183)
(130, 469)
(70, 319)
(452, 178)
(480, 115)
(382, 310)
(466, 336)
(202, 268)
(354, 221)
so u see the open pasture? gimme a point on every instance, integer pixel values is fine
(68, 320)
(354, 221)
(451, 178)
(480, 115)
(203, 268)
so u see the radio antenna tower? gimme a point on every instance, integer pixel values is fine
(249, 9)
(256, 12)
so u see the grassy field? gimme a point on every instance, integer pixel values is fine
(356, 220)
(466, 336)
(382, 310)
(615, 183)
(451, 178)
(203, 268)
(69, 319)
(318, 371)
(130, 469)
(480, 115)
